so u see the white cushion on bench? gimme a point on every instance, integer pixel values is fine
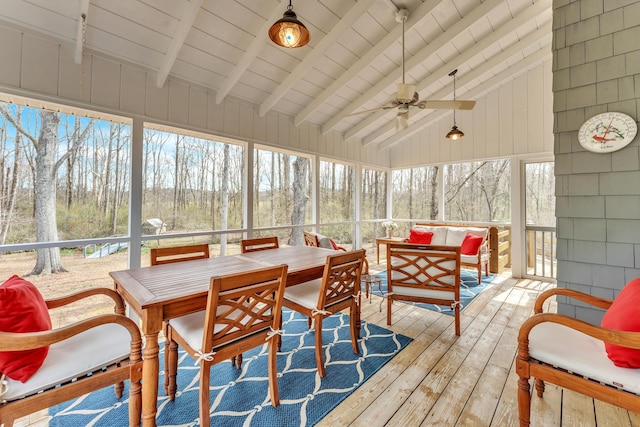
(579, 353)
(439, 233)
(73, 358)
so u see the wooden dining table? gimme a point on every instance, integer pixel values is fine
(162, 292)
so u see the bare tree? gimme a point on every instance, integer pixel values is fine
(300, 173)
(225, 199)
(47, 164)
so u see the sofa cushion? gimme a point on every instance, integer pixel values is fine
(417, 235)
(471, 244)
(622, 315)
(22, 309)
(439, 233)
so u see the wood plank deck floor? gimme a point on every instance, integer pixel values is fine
(443, 380)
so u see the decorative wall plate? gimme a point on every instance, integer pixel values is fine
(607, 132)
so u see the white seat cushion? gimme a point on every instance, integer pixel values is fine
(191, 326)
(75, 357)
(566, 348)
(305, 294)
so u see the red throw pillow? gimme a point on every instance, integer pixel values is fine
(471, 244)
(22, 309)
(420, 236)
(335, 247)
(622, 315)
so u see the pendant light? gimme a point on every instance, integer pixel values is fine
(289, 32)
(454, 133)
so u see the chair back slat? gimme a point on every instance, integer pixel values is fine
(241, 305)
(259, 244)
(341, 279)
(179, 253)
(311, 239)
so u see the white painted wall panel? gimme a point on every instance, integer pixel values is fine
(493, 124)
(215, 113)
(197, 107)
(480, 125)
(231, 116)
(506, 120)
(74, 79)
(157, 99)
(520, 128)
(39, 65)
(10, 51)
(133, 89)
(105, 83)
(535, 120)
(178, 102)
(246, 117)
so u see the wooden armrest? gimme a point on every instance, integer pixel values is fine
(622, 338)
(68, 299)
(603, 303)
(11, 341)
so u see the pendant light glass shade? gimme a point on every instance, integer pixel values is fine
(454, 133)
(289, 32)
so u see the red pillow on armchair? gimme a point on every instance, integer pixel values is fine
(471, 244)
(420, 236)
(622, 315)
(22, 309)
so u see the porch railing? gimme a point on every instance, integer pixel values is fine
(541, 251)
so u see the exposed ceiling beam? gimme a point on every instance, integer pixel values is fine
(414, 61)
(188, 17)
(83, 11)
(249, 56)
(541, 55)
(527, 14)
(318, 51)
(378, 49)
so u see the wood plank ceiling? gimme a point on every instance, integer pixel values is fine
(352, 63)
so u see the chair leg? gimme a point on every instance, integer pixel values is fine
(319, 358)
(135, 401)
(539, 387)
(479, 273)
(457, 318)
(118, 388)
(274, 394)
(171, 366)
(389, 310)
(205, 374)
(355, 328)
(524, 401)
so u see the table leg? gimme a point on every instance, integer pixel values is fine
(151, 327)
(378, 251)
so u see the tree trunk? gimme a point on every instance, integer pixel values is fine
(300, 172)
(433, 205)
(225, 200)
(48, 259)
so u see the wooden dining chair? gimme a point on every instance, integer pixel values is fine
(316, 240)
(424, 274)
(179, 253)
(242, 312)
(259, 244)
(338, 289)
(83, 357)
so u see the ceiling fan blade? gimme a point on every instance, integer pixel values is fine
(458, 104)
(357, 113)
(402, 120)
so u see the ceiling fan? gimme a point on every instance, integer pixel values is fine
(406, 96)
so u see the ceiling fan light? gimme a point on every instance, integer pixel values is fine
(406, 92)
(288, 31)
(455, 133)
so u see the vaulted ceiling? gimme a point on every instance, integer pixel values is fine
(352, 63)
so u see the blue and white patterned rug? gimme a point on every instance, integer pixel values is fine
(240, 397)
(469, 289)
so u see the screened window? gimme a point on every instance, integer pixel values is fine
(190, 183)
(478, 191)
